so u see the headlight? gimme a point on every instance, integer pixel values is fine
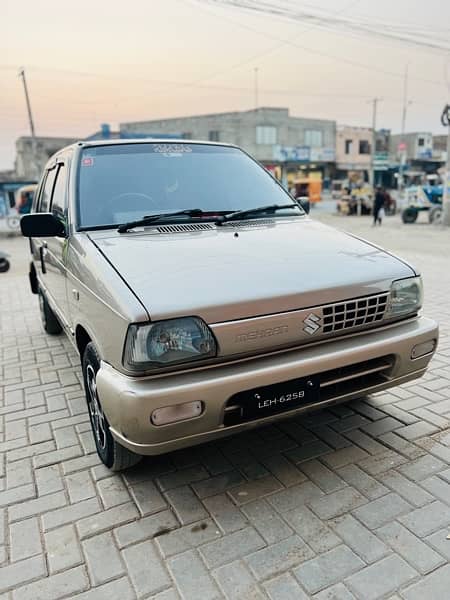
(168, 342)
(406, 297)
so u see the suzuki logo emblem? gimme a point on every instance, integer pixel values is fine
(311, 324)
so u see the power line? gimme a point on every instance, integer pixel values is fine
(219, 88)
(335, 22)
(310, 50)
(265, 53)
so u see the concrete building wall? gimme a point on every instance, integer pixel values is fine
(353, 147)
(29, 166)
(261, 132)
(419, 145)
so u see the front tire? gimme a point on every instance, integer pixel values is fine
(111, 453)
(49, 320)
(435, 215)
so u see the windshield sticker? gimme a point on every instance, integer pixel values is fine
(87, 161)
(172, 149)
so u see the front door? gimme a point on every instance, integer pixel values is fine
(56, 248)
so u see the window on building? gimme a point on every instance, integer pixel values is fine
(421, 141)
(59, 201)
(44, 200)
(187, 135)
(348, 146)
(214, 136)
(266, 134)
(313, 138)
(364, 147)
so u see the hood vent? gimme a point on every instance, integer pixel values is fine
(182, 227)
(250, 223)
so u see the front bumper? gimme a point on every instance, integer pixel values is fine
(128, 402)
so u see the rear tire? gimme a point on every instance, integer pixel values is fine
(410, 214)
(111, 453)
(4, 265)
(49, 319)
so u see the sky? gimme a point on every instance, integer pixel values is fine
(103, 61)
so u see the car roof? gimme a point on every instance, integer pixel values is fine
(94, 143)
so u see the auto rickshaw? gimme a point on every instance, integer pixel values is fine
(308, 187)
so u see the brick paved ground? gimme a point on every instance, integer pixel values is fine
(352, 502)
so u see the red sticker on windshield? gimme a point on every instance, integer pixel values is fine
(88, 161)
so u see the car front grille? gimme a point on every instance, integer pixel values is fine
(335, 386)
(354, 313)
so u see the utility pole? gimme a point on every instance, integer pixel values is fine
(405, 99)
(372, 153)
(445, 120)
(401, 182)
(30, 119)
(256, 88)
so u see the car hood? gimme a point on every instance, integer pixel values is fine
(246, 269)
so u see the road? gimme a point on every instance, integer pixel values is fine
(351, 502)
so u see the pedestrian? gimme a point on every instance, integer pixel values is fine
(378, 206)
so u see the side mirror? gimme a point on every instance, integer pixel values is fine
(41, 225)
(303, 201)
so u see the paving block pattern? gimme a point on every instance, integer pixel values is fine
(351, 502)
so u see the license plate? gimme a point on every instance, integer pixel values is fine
(279, 397)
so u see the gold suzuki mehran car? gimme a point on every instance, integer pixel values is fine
(203, 300)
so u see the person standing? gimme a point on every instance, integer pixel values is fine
(378, 206)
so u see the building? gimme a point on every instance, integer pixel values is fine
(29, 163)
(416, 156)
(354, 156)
(415, 146)
(353, 150)
(28, 166)
(280, 141)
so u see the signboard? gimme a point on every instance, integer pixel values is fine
(291, 153)
(322, 154)
(303, 154)
(381, 161)
(401, 146)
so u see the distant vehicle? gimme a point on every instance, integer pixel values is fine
(24, 198)
(203, 301)
(308, 187)
(337, 186)
(9, 215)
(423, 198)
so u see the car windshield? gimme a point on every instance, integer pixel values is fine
(121, 183)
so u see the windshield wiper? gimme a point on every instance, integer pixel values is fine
(149, 219)
(242, 214)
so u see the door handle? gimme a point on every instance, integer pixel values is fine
(44, 245)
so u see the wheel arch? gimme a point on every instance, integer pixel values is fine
(82, 339)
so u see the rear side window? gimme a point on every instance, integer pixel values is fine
(59, 201)
(44, 201)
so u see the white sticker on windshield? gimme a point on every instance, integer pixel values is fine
(172, 149)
